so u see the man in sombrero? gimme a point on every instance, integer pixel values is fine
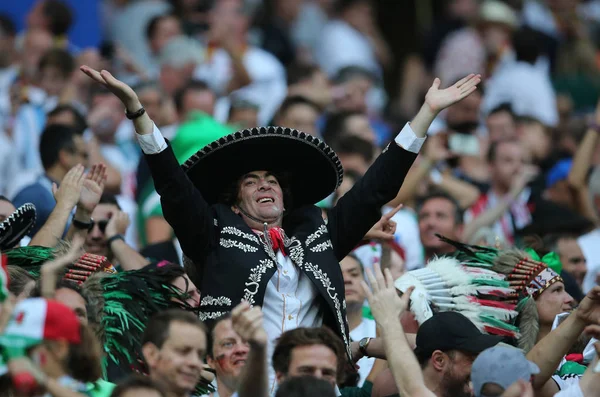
(243, 210)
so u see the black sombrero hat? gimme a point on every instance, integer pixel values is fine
(314, 169)
(16, 226)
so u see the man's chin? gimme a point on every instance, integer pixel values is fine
(96, 250)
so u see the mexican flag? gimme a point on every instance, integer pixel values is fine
(3, 278)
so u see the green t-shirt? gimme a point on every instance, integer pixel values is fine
(364, 391)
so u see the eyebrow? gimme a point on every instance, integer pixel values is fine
(254, 176)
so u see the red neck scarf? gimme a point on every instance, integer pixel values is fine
(276, 238)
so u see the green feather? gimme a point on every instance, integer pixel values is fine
(498, 323)
(129, 300)
(491, 282)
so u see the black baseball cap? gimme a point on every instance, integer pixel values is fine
(447, 331)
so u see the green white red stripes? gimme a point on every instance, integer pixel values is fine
(3, 278)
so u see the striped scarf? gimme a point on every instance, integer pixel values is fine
(3, 278)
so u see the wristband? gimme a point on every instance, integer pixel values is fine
(114, 238)
(135, 114)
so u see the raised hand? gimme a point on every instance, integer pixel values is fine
(68, 193)
(118, 224)
(248, 323)
(385, 228)
(589, 308)
(124, 92)
(438, 100)
(93, 187)
(52, 269)
(383, 297)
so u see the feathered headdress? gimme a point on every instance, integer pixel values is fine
(446, 284)
(122, 305)
(526, 274)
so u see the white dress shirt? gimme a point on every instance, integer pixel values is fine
(290, 298)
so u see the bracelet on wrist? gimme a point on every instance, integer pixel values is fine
(136, 114)
(114, 238)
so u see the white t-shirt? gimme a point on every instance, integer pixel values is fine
(590, 246)
(341, 46)
(267, 90)
(367, 328)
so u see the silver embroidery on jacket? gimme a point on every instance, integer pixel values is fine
(322, 246)
(218, 301)
(297, 256)
(237, 244)
(237, 232)
(312, 237)
(203, 316)
(253, 282)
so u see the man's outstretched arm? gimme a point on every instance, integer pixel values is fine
(359, 209)
(183, 206)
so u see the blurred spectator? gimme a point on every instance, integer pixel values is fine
(311, 82)
(355, 153)
(360, 327)
(439, 213)
(53, 16)
(509, 176)
(126, 22)
(276, 22)
(178, 60)
(501, 123)
(299, 113)
(479, 48)
(194, 96)
(61, 148)
(522, 83)
(56, 68)
(348, 123)
(244, 114)
(160, 30)
(353, 39)
(234, 66)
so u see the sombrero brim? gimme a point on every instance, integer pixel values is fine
(314, 169)
(16, 226)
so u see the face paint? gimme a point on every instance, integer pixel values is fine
(40, 359)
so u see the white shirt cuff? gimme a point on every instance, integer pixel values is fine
(407, 140)
(152, 143)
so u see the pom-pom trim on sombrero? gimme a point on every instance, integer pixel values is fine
(257, 132)
(8, 235)
(278, 145)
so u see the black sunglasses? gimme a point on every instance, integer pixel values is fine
(101, 225)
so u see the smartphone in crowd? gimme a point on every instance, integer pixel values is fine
(463, 144)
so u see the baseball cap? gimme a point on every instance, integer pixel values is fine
(559, 172)
(501, 365)
(452, 331)
(36, 320)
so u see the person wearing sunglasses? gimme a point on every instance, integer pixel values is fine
(105, 235)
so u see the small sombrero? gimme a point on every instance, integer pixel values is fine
(16, 226)
(314, 169)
